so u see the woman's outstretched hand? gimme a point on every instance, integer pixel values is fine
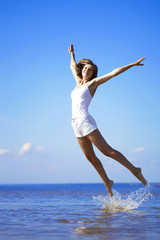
(138, 63)
(71, 49)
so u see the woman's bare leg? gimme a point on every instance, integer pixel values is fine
(97, 139)
(87, 148)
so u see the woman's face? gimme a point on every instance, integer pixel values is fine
(87, 71)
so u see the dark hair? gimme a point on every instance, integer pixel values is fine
(82, 63)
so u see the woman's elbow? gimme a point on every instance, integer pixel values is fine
(114, 72)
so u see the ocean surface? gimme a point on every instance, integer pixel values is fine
(79, 211)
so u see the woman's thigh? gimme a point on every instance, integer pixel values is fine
(86, 146)
(98, 140)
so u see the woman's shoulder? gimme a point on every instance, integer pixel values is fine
(92, 86)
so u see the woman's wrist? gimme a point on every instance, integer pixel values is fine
(133, 64)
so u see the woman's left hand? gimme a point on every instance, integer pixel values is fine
(138, 63)
(71, 49)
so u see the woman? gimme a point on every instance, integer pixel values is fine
(84, 125)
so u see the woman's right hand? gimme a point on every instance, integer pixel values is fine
(138, 63)
(71, 49)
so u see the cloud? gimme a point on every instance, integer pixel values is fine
(4, 151)
(138, 150)
(39, 148)
(25, 148)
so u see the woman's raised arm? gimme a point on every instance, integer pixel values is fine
(117, 71)
(73, 63)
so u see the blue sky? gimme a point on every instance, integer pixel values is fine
(37, 144)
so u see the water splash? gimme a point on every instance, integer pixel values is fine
(121, 202)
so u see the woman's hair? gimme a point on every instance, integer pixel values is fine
(82, 63)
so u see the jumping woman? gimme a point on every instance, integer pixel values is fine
(84, 125)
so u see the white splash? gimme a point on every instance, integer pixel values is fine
(121, 202)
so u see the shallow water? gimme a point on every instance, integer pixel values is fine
(121, 202)
(79, 211)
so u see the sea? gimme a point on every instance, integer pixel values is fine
(79, 211)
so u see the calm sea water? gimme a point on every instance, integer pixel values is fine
(79, 211)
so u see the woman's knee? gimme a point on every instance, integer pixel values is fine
(90, 157)
(111, 152)
(94, 161)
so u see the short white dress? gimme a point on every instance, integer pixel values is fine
(82, 122)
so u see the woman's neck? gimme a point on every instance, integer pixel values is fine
(84, 81)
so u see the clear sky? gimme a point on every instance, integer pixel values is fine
(37, 144)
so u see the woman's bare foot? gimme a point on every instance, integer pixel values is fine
(139, 175)
(109, 185)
